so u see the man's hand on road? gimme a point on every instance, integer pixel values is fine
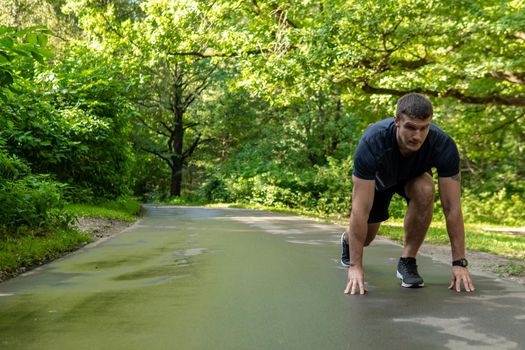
(356, 281)
(461, 275)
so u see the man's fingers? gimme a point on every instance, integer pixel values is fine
(362, 289)
(458, 285)
(351, 287)
(348, 286)
(472, 288)
(465, 280)
(469, 286)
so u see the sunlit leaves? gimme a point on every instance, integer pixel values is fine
(19, 46)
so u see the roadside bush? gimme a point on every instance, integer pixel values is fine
(34, 201)
(28, 201)
(497, 208)
(11, 167)
(323, 189)
(72, 121)
(214, 190)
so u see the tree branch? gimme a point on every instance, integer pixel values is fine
(513, 77)
(157, 131)
(158, 154)
(515, 101)
(192, 148)
(190, 125)
(209, 52)
(505, 124)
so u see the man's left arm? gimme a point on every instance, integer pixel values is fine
(450, 195)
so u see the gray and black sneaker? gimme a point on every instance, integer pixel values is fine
(345, 253)
(407, 272)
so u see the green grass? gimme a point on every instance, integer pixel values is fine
(184, 201)
(22, 252)
(498, 243)
(509, 269)
(122, 209)
(30, 248)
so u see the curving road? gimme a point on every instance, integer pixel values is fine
(201, 278)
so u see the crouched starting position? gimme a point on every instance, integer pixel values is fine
(397, 155)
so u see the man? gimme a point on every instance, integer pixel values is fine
(396, 155)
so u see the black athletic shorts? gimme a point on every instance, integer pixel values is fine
(379, 211)
(382, 200)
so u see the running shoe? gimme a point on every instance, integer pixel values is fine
(407, 272)
(345, 253)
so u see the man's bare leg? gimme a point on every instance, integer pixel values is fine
(370, 236)
(372, 232)
(420, 191)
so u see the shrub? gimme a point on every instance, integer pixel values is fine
(34, 201)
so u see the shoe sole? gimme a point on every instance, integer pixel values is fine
(342, 263)
(406, 285)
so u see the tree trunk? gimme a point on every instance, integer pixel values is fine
(177, 145)
(176, 180)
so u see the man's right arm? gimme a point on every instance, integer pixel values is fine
(362, 200)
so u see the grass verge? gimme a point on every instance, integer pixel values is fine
(121, 209)
(28, 249)
(18, 254)
(498, 243)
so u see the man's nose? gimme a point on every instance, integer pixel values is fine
(418, 135)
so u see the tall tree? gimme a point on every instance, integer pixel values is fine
(170, 55)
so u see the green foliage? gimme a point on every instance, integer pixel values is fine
(152, 178)
(20, 47)
(74, 124)
(321, 189)
(11, 167)
(264, 102)
(260, 102)
(32, 202)
(497, 208)
(29, 202)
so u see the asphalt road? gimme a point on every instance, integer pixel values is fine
(201, 278)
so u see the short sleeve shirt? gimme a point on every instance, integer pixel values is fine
(378, 158)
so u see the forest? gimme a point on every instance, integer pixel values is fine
(254, 102)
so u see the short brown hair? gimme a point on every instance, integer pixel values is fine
(414, 105)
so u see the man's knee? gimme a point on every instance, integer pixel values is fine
(427, 192)
(422, 190)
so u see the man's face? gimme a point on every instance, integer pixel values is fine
(411, 133)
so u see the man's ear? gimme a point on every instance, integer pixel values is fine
(396, 121)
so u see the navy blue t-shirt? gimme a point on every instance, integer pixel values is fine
(378, 158)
